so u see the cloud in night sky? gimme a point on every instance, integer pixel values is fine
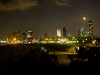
(23, 4)
(61, 2)
(17, 4)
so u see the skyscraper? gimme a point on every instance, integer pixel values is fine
(29, 36)
(64, 32)
(58, 32)
(90, 33)
(83, 32)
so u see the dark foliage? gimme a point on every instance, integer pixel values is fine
(35, 61)
(88, 60)
(31, 60)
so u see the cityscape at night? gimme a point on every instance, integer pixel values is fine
(49, 37)
(62, 36)
(45, 16)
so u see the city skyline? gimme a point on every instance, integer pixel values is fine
(45, 16)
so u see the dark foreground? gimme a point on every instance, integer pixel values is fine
(32, 60)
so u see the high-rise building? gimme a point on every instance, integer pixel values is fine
(29, 36)
(95, 34)
(41, 38)
(64, 32)
(83, 32)
(58, 32)
(86, 34)
(15, 37)
(90, 29)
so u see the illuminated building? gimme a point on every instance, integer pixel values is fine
(83, 33)
(19, 36)
(64, 32)
(69, 35)
(15, 37)
(90, 33)
(96, 34)
(86, 34)
(28, 36)
(41, 38)
(58, 32)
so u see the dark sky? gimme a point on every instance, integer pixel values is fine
(45, 16)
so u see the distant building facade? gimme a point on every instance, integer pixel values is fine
(83, 32)
(64, 32)
(15, 37)
(90, 29)
(28, 36)
(58, 32)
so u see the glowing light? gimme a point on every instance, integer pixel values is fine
(46, 39)
(82, 41)
(73, 37)
(84, 18)
(14, 39)
(86, 39)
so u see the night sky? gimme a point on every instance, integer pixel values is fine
(45, 16)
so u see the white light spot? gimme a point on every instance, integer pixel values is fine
(84, 18)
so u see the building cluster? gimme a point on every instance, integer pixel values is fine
(27, 37)
(19, 37)
(62, 36)
(83, 36)
(81, 31)
(89, 33)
